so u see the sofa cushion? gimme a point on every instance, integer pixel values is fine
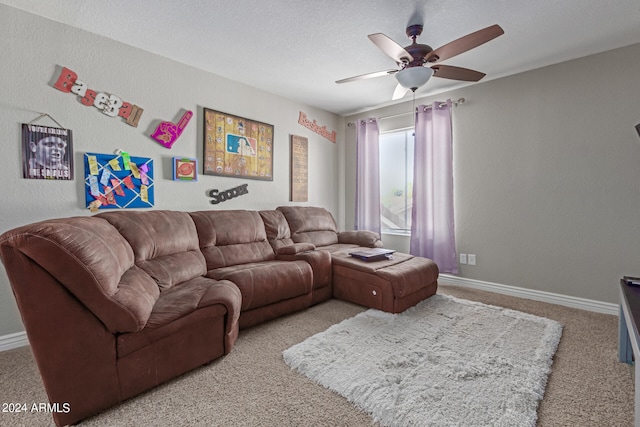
(295, 248)
(311, 224)
(277, 229)
(267, 282)
(175, 304)
(364, 238)
(165, 244)
(232, 237)
(93, 262)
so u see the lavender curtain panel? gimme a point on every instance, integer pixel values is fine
(432, 228)
(367, 176)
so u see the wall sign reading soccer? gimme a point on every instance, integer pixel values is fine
(47, 152)
(222, 196)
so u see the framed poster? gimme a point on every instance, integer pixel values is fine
(299, 169)
(185, 169)
(47, 152)
(237, 147)
(118, 181)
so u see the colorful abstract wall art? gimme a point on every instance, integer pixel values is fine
(118, 181)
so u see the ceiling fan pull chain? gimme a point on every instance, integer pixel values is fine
(415, 112)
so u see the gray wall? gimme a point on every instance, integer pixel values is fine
(547, 175)
(33, 51)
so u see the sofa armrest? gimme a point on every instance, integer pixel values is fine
(320, 262)
(365, 238)
(69, 370)
(227, 293)
(295, 248)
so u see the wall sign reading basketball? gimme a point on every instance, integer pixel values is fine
(110, 105)
(315, 127)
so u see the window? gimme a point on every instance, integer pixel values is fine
(396, 180)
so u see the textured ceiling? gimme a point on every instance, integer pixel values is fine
(297, 49)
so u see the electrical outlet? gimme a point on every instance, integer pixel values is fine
(463, 258)
(472, 259)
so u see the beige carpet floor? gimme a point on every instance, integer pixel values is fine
(253, 386)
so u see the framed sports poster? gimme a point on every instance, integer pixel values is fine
(118, 181)
(237, 147)
(185, 169)
(47, 152)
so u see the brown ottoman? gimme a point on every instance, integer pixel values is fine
(391, 285)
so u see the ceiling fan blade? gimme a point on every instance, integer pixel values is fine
(367, 76)
(456, 73)
(391, 48)
(465, 43)
(399, 92)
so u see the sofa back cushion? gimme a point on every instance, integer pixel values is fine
(92, 261)
(164, 243)
(232, 237)
(277, 228)
(311, 224)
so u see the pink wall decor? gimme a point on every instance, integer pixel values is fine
(322, 131)
(110, 105)
(167, 133)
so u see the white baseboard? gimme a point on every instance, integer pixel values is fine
(567, 301)
(19, 339)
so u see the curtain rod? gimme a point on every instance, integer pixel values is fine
(426, 107)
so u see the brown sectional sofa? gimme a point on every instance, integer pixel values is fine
(111, 302)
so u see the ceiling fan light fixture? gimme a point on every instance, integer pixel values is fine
(414, 77)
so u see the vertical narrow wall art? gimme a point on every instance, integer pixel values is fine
(299, 169)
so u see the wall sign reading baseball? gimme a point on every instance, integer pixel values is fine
(109, 104)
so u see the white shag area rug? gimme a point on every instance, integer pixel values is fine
(443, 362)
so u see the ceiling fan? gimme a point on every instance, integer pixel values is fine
(418, 62)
